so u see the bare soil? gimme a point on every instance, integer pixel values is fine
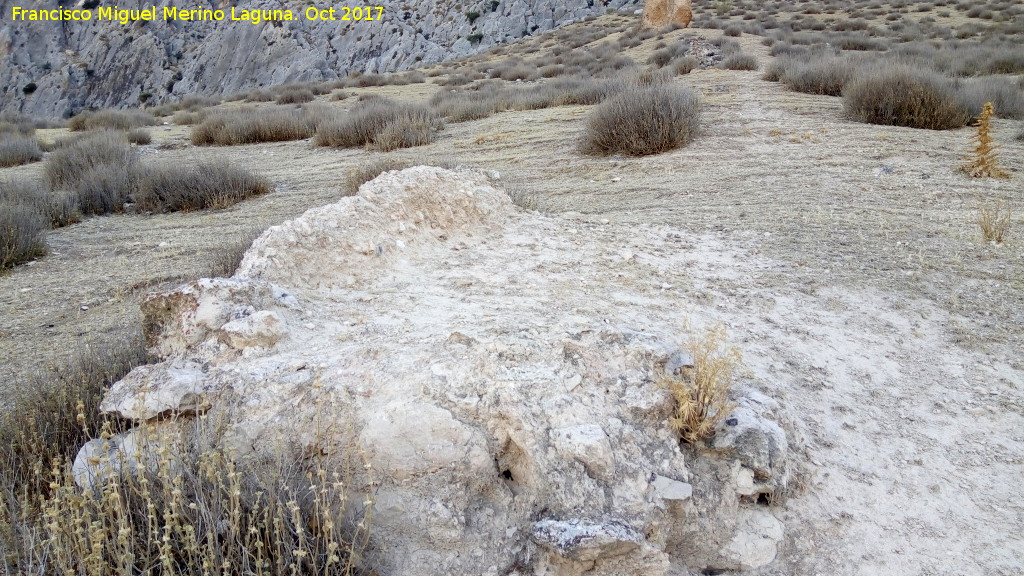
(844, 258)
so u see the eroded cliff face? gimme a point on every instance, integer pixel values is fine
(101, 63)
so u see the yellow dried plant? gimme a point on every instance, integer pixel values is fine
(983, 162)
(701, 391)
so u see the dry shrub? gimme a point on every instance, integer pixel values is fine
(187, 118)
(643, 120)
(896, 95)
(1006, 96)
(99, 168)
(250, 126)
(57, 207)
(395, 123)
(259, 96)
(295, 95)
(984, 160)
(18, 151)
(684, 65)
(740, 61)
(363, 173)
(994, 221)
(22, 234)
(139, 136)
(701, 391)
(112, 119)
(198, 186)
(814, 73)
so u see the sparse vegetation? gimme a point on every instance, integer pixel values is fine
(701, 391)
(643, 120)
(994, 221)
(139, 136)
(197, 186)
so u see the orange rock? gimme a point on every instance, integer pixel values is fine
(660, 13)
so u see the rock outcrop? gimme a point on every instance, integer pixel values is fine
(76, 64)
(495, 370)
(660, 13)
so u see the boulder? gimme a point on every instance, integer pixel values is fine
(482, 371)
(661, 13)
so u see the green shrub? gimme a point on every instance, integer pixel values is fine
(18, 151)
(113, 119)
(172, 188)
(395, 123)
(22, 234)
(895, 95)
(643, 120)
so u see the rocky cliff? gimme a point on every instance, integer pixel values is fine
(55, 68)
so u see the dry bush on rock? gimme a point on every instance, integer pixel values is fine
(363, 173)
(895, 95)
(172, 188)
(643, 120)
(701, 391)
(188, 508)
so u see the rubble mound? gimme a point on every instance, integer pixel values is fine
(495, 369)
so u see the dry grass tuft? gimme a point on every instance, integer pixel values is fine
(701, 391)
(188, 506)
(994, 220)
(983, 163)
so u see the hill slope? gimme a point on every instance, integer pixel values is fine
(75, 65)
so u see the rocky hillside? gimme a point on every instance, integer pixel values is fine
(56, 68)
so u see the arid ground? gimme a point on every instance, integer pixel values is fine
(844, 258)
